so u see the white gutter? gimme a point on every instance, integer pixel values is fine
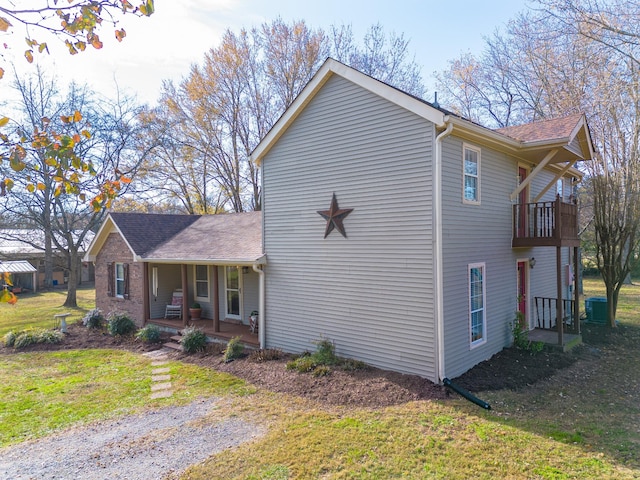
(437, 247)
(261, 311)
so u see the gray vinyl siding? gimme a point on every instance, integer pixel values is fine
(370, 293)
(476, 234)
(482, 234)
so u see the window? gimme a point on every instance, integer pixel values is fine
(471, 177)
(477, 304)
(120, 280)
(202, 282)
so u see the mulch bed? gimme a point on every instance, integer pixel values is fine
(369, 387)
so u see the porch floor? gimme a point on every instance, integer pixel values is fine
(228, 330)
(550, 338)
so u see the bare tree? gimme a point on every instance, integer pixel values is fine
(569, 57)
(64, 217)
(206, 128)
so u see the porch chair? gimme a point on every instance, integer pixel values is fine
(174, 309)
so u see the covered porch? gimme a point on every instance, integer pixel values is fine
(226, 330)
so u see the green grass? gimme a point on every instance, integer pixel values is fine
(584, 423)
(36, 310)
(44, 392)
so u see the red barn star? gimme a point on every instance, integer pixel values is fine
(334, 217)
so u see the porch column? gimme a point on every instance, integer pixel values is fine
(146, 309)
(216, 302)
(185, 295)
(559, 313)
(576, 292)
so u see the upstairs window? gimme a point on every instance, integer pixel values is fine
(471, 175)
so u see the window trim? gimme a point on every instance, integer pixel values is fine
(478, 151)
(120, 281)
(481, 341)
(196, 280)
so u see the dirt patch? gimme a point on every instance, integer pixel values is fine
(369, 387)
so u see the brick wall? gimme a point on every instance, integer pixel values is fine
(116, 250)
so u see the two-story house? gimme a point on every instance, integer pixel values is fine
(405, 234)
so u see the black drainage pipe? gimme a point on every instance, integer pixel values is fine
(466, 394)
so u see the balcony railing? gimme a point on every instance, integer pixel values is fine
(546, 314)
(545, 224)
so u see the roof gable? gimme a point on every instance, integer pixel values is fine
(328, 69)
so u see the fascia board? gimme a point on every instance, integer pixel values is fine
(107, 227)
(234, 262)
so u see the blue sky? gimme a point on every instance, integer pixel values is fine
(177, 35)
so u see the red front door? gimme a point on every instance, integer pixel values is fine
(522, 293)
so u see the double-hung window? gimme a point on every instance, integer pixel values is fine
(202, 282)
(471, 174)
(120, 280)
(477, 301)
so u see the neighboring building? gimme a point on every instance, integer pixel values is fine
(405, 234)
(22, 275)
(28, 244)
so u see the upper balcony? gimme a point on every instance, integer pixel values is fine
(545, 224)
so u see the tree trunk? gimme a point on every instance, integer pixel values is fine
(72, 284)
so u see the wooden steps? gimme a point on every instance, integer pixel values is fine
(174, 344)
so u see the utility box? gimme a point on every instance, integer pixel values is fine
(596, 308)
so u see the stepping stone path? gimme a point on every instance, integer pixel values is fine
(161, 387)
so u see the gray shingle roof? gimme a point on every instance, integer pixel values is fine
(227, 237)
(145, 231)
(191, 238)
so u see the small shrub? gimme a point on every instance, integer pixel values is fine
(265, 355)
(321, 371)
(234, 350)
(149, 334)
(193, 340)
(304, 364)
(48, 336)
(350, 365)
(119, 323)
(25, 338)
(9, 339)
(325, 353)
(93, 319)
(521, 336)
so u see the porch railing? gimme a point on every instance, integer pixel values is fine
(545, 224)
(546, 314)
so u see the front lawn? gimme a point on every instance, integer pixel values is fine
(583, 423)
(36, 310)
(44, 392)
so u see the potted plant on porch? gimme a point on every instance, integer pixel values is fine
(195, 311)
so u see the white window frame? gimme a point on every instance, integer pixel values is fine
(196, 281)
(481, 341)
(466, 147)
(119, 281)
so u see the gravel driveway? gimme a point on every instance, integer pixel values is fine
(150, 445)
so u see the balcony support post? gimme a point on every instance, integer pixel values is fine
(559, 302)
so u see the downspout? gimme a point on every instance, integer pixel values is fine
(261, 312)
(437, 247)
